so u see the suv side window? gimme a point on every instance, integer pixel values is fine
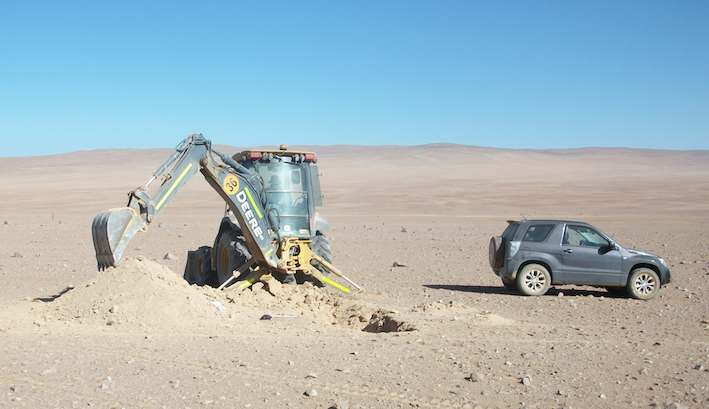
(583, 236)
(538, 233)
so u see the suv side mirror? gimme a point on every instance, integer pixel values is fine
(608, 248)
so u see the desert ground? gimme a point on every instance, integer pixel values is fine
(434, 327)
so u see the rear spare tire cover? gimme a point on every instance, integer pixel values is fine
(496, 252)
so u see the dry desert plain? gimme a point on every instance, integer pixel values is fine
(137, 336)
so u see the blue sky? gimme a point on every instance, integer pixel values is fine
(529, 74)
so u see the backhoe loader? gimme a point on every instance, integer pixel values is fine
(270, 229)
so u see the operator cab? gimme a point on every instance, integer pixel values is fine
(292, 187)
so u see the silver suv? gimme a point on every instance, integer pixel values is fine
(531, 255)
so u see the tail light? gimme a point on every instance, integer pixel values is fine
(514, 246)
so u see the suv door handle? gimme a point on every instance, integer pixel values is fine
(568, 251)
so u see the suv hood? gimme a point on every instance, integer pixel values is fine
(641, 253)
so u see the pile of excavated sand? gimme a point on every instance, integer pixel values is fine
(137, 293)
(140, 294)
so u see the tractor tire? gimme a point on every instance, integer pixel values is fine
(321, 247)
(232, 253)
(496, 252)
(199, 266)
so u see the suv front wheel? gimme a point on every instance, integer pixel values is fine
(533, 279)
(643, 283)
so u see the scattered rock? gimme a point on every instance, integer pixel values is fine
(17, 254)
(170, 256)
(340, 404)
(397, 264)
(526, 381)
(311, 392)
(50, 371)
(403, 230)
(312, 375)
(699, 367)
(675, 405)
(7, 222)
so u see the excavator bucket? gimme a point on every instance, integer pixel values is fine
(112, 230)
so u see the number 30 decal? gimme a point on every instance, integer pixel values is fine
(230, 184)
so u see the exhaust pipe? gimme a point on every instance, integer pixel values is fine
(111, 231)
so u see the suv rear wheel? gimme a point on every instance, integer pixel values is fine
(533, 279)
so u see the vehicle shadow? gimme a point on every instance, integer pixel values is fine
(553, 291)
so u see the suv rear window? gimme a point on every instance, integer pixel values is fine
(538, 233)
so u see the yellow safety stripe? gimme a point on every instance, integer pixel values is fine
(258, 212)
(247, 283)
(174, 185)
(269, 252)
(336, 285)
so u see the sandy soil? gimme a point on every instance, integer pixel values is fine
(439, 331)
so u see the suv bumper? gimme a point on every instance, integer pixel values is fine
(508, 269)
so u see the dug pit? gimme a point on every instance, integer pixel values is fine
(141, 295)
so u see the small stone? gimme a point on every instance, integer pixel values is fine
(403, 230)
(675, 405)
(170, 256)
(312, 375)
(113, 309)
(110, 322)
(560, 294)
(397, 264)
(699, 367)
(685, 262)
(311, 392)
(526, 381)
(341, 404)
(17, 254)
(7, 222)
(602, 396)
(50, 371)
